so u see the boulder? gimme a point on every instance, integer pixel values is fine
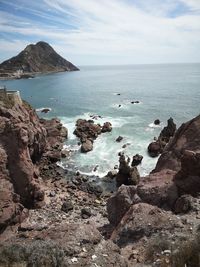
(157, 122)
(119, 203)
(159, 189)
(154, 149)
(136, 160)
(107, 127)
(86, 146)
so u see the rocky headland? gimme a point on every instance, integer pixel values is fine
(35, 59)
(50, 219)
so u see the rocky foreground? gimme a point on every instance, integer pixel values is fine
(34, 59)
(50, 219)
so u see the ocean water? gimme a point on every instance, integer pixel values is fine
(168, 90)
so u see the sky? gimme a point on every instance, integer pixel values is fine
(104, 32)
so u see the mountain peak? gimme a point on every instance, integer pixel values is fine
(36, 58)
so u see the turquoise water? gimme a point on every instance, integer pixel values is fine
(163, 91)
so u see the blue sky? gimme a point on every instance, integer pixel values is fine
(98, 32)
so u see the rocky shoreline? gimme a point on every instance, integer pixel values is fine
(50, 219)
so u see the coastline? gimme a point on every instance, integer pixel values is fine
(72, 220)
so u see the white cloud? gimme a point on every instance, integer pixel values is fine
(116, 31)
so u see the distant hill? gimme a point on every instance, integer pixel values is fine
(38, 58)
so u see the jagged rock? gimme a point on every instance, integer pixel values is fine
(136, 160)
(126, 175)
(24, 140)
(187, 137)
(157, 147)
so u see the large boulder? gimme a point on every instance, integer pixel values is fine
(119, 203)
(187, 137)
(158, 189)
(187, 179)
(86, 146)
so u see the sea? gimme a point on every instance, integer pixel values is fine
(163, 91)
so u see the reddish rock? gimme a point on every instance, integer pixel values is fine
(158, 189)
(120, 202)
(187, 137)
(86, 146)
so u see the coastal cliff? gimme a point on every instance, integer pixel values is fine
(35, 59)
(51, 218)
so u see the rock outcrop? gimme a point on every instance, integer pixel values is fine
(88, 131)
(186, 138)
(24, 140)
(144, 217)
(38, 58)
(127, 175)
(157, 147)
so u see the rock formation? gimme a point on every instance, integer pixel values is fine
(38, 58)
(155, 148)
(88, 131)
(24, 140)
(145, 225)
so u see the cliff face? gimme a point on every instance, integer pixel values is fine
(38, 58)
(23, 141)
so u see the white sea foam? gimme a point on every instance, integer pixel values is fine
(152, 125)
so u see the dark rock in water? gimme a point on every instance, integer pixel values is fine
(119, 139)
(126, 175)
(38, 58)
(107, 127)
(119, 105)
(137, 159)
(157, 122)
(95, 168)
(118, 94)
(45, 110)
(67, 206)
(157, 147)
(86, 146)
(125, 145)
(86, 213)
(168, 131)
(154, 149)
